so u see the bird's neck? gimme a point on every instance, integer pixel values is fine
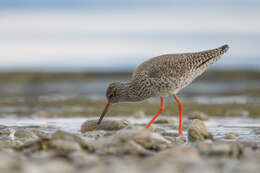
(128, 92)
(133, 92)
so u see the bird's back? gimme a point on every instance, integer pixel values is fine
(167, 74)
(178, 64)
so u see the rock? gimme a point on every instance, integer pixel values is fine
(64, 147)
(171, 138)
(157, 130)
(234, 149)
(41, 133)
(6, 131)
(237, 113)
(163, 121)
(198, 115)
(139, 115)
(91, 125)
(27, 134)
(123, 148)
(183, 151)
(171, 134)
(34, 146)
(84, 144)
(131, 142)
(230, 135)
(80, 159)
(60, 147)
(6, 142)
(61, 142)
(197, 131)
(182, 139)
(151, 141)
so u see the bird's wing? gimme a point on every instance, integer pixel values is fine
(157, 66)
(176, 64)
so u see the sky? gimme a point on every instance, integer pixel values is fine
(118, 35)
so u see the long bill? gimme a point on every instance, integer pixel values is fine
(104, 112)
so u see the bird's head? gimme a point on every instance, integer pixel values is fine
(116, 92)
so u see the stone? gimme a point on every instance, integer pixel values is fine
(171, 134)
(183, 151)
(197, 131)
(91, 125)
(163, 121)
(230, 135)
(84, 144)
(234, 149)
(27, 134)
(198, 115)
(151, 141)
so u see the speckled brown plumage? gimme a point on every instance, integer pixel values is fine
(163, 75)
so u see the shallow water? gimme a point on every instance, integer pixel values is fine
(211, 87)
(38, 108)
(244, 127)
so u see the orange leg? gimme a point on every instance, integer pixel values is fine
(157, 114)
(180, 114)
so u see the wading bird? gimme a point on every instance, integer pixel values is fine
(162, 76)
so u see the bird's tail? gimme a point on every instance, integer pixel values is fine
(201, 58)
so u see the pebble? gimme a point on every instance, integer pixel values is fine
(183, 151)
(91, 125)
(149, 140)
(66, 136)
(7, 142)
(230, 135)
(163, 121)
(234, 149)
(197, 131)
(27, 134)
(171, 134)
(61, 142)
(134, 148)
(5, 131)
(198, 115)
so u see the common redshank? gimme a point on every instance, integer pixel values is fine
(162, 76)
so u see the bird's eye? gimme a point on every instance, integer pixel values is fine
(113, 94)
(110, 96)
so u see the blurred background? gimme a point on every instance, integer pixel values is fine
(57, 58)
(100, 35)
(53, 50)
